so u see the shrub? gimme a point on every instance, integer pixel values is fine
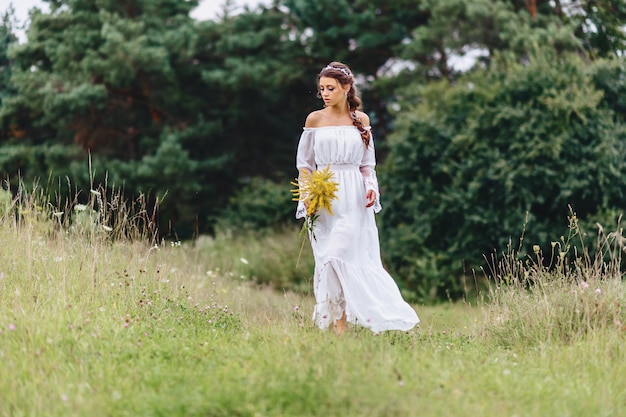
(259, 204)
(468, 162)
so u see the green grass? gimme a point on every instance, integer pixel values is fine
(92, 326)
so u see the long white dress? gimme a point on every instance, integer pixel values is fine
(349, 273)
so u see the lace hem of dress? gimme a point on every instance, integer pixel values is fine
(328, 312)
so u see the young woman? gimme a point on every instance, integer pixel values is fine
(350, 283)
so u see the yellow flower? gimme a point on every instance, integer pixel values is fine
(319, 190)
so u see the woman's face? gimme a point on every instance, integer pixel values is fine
(332, 92)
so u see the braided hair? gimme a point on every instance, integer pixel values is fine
(344, 76)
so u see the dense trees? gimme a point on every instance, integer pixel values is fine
(7, 37)
(163, 104)
(482, 110)
(501, 152)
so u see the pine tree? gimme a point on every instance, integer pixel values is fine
(163, 104)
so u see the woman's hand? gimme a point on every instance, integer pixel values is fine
(371, 198)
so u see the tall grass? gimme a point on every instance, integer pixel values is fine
(576, 290)
(267, 258)
(101, 213)
(100, 324)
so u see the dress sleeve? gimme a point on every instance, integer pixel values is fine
(368, 170)
(305, 162)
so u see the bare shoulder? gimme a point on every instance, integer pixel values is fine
(314, 119)
(364, 117)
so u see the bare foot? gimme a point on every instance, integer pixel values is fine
(341, 325)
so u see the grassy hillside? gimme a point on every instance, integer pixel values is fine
(96, 324)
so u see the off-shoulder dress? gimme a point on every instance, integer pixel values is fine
(349, 275)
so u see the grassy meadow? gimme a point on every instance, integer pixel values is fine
(96, 323)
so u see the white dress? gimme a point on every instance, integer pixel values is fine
(349, 273)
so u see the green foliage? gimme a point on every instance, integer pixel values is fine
(259, 204)
(362, 33)
(165, 106)
(107, 79)
(260, 88)
(456, 28)
(181, 112)
(468, 162)
(599, 24)
(7, 38)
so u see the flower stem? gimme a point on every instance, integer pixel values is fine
(300, 254)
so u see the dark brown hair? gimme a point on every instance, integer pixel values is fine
(344, 76)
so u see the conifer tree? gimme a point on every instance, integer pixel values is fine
(163, 104)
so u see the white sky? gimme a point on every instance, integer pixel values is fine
(206, 10)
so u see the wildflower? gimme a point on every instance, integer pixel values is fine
(536, 249)
(12, 327)
(296, 308)
(319, 190)
(598, 291)
(80, 207)
(584, 285)
(553, 244)
(244, 261)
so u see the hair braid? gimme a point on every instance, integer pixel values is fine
(354, 103)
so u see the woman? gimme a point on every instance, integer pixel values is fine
(350, 283)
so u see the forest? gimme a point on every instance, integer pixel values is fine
(494, 120)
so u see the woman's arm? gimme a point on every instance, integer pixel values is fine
(368, 170)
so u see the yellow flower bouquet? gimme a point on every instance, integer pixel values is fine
(319, 190)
